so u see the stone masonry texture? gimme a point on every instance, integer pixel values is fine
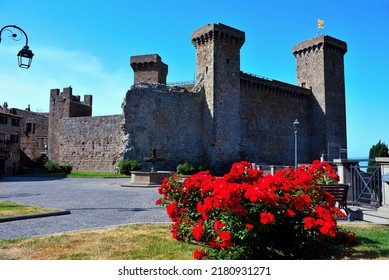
(91, 143)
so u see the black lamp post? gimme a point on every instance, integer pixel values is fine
(25, 54)
(296, 124)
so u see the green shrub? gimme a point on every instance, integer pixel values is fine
(66, 168)
(127, 165)
(52, 166)
(188, 169)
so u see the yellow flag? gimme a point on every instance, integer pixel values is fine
(320, 23)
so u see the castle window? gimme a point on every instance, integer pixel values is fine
(14, 138)
(228, 61)
(15, 122)
(303, 85)
(206, 70)
(3, 120)
(30, 127)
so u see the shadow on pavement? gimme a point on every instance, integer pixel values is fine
(30, 178)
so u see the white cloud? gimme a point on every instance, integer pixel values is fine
(59, 68)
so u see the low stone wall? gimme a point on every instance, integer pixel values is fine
(92, 143)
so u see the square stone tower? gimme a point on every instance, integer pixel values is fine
(218, 69)
(320, 68)
(64, 105)
(149, 68)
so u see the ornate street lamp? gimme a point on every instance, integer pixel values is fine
(25, 54)
(296, 124)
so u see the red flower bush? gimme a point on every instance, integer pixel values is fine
(245, 214)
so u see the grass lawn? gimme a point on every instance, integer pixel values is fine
(372, 242)
(136, 242)
(9, 209)
(154, 242)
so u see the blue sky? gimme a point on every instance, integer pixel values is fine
(87, 44)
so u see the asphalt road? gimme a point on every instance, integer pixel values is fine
(93, 203)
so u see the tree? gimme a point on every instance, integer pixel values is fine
(378, 150)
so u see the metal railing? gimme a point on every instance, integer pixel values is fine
(268, 169)
(184, 83)
(366, 185)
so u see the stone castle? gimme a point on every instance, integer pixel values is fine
(225, 116)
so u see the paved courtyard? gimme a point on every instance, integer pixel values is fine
(93, 203)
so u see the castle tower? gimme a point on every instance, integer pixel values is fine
(64, 105)
(149, 69)
(218, 70)
(320, 67)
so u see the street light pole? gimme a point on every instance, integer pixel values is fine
(296, 123)
(25, 54)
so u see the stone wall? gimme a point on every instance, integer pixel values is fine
(92, 143)
(33, 136)
(268, 111)
(168, 119)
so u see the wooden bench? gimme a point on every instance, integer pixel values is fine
(339, 191)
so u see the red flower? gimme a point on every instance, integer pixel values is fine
(158, 201)
(201, 209)
(249, 226)
(266, 218)
(351, 237)
(217, 225)
(226, 239)
(198, 230)
(328, 228)
(309, 222)
(172, 211)
(199, 254)
(290, 212)
(302, 201)
(174, 231)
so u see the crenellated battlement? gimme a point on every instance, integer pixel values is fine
(67, 95)
(261, 84)
(218, 32)
(316, 44)
(64, 105)
(149, 68)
